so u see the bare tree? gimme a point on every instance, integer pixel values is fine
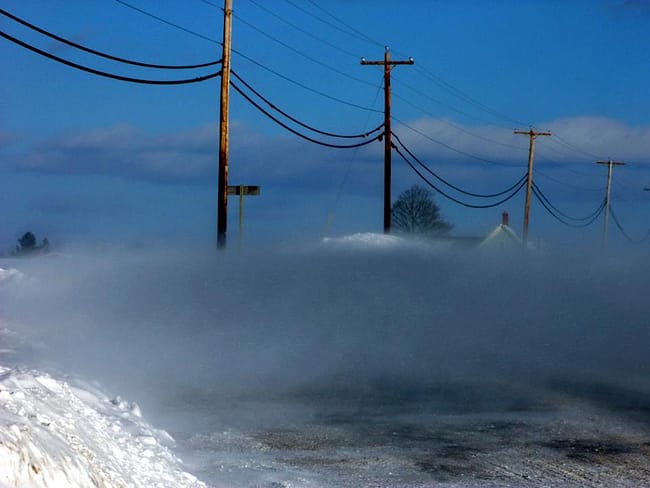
(415, 212)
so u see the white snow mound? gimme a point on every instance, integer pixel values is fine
(374, 241)
(56, 435)
(9, 274)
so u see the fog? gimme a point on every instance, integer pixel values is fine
(333, 316)
(334, 343)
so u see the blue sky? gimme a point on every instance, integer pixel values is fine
(88, 159)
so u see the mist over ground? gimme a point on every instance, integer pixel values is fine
(269, 321)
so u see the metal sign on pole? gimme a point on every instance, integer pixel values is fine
(241, 190)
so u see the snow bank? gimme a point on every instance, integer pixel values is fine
(53, 434)
(371, 240)
(8, 274)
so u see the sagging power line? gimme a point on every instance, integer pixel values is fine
(299, 122)
(100, 53)
(387, 134)
(106, 74)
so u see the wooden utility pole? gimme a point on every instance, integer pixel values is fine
(388, 64)
(610, 165)
(222, 193)
(529, 177)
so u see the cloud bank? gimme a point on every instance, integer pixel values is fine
(191, 155)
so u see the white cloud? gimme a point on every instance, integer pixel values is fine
(192, 155)
(575, 139)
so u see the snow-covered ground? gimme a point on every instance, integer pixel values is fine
(365, 361)
(65, 433)
(56, 433)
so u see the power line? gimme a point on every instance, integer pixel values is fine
(212, 4)
(451, 124)
(304, 31)
(100, 53)
(302, 54)
(549, 209)
(456, 150)
(164, 21)
(352, 29)
(295, 132)
(361, 37)
(625, 234)
(575, 148)
(576, 187)
(303, 86)
(460, 190)
(464, 204)
(348, 168)
(439, 102)
(457, 92)
(302, 124)
(104, 73)
(249, 58)
(578, 219)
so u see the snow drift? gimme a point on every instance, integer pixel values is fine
(53, 434)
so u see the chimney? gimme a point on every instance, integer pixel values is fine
(504, 218)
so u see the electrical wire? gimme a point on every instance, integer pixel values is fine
(304, 31)
(625, 234)
(456, 150)
(104, 73)
(348, 169)
(458, 93)
(213, 4)
(352, 29)
(575, 187)
(99, 53)
(451, 124)
(172, 24)
(248, 58)
(302, 124)
(573, 147)
(578, 219)
(560, 219)
(445, 182)
(438, 101)
(302, 54)
(464, 204)
(303, 86)
(295, 132)
(348, 32)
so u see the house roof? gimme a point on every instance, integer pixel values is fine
(501, 235)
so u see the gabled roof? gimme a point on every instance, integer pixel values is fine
(501, 236)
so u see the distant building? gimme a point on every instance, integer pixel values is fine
(502, 237)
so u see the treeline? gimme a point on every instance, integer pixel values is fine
(27, 245)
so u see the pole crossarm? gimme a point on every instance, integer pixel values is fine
(532, 133)
(388, 64)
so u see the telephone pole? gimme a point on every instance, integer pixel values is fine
(529, 178)
(610, 165)
(388, 64)
(222, 192)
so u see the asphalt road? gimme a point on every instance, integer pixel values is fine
(559, 434)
